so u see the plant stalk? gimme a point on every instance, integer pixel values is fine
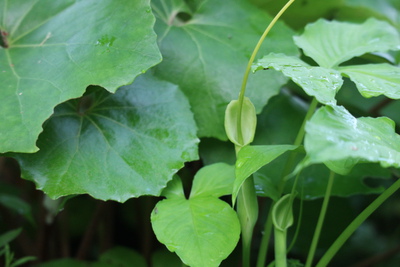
(280, 248)
(247, 209)
(263, 251)
(320, 222)
(251, 60)
(334, 248)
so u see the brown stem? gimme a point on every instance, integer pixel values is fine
(375, 110)
(372, 261)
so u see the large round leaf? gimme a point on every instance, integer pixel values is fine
(206, 46)
(114, 146)
(52, 50)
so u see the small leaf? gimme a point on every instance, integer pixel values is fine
(282, 213)
(115, 146)
(213, 180)
(252, 158)
(121, 257)
(9, 236)
(333, 134)
(174, 189)
(203, 231)
(248, 122)
(375, 79)
(316, 81)
(330, 43)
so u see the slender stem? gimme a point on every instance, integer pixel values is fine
(251, 60)
(247, 209)
(263, 251)
(299, 139)
(334, 248)
(262, 257)
(320, 222)
(280, 248)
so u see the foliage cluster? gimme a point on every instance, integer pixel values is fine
(150, 104)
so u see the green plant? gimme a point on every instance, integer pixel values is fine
(179, 65)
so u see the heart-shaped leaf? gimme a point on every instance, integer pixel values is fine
(316, 81)
(206, 46)
(55, 49)
(202, 230)
(375, 79)
(330, 43)
(114, 146)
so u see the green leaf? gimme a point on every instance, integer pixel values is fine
(114, 146)
(206, 46)
(316, 81)
(174, 189)
(252, 158)
(9, 236)
(202, 230)
(213, 180)
(330, 43)
(375, 79)
(333, 134)
(17, 204)
(282, 213)
(57, 48)
(65, 263)
(248, 122)
(121, 257)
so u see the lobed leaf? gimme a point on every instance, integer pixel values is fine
(330, 43)
(375, 79)
(57, 48)
(114, 146)
(319, 82)
(206, 46)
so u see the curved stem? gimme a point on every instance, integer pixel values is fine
(251, 60)
(334, 248)
(320, 222)
(263, 251)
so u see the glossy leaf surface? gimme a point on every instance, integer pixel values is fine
(202, 230)
(375, 79)
(57, 48)
(330, 43)
(114, 146)
(333, 134)
(252, 158)
(206, 46)
(319, 82)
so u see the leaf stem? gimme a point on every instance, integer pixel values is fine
(251, 60)
(334, 248)
(247, 209)
(280, 248)
(320, 222)
(263, 251)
